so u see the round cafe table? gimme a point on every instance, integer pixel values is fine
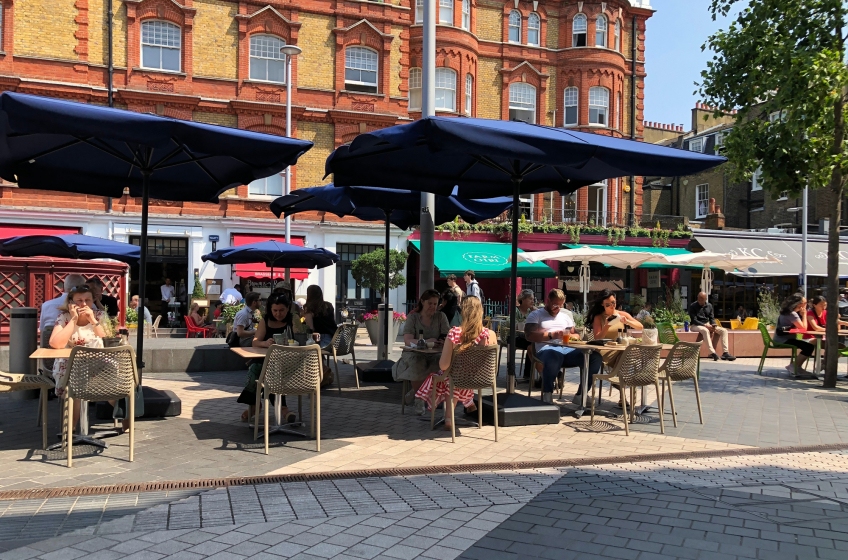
(819, 336)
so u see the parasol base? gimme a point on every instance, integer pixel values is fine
(521, 410)
(378, 371)
(157, 404)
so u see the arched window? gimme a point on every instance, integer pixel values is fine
(466, 15)
(599, 106)
(578, 31)
(522, 102)
(617, 37)
(570, 106)
(601, 32)
(446, 12)
(361, 70)
(469, 93)
(160, 45)
(414, 89)
(514, 25)
(419, 11)
(534, 27)
(445, 89)
(267, 63)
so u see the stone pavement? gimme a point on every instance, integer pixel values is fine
(767, 506)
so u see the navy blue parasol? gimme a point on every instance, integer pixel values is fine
(396, 206)
(274, 254)
(70, 246)
(58, 145)
(485, 158)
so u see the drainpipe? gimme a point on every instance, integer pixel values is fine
(110, 75)
(632, 219)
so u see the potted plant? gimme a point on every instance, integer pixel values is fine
(579, 321)
(228, 314)
(369, 271)
(769, 305)
(372, 325)
(110, 328)
(650, 334)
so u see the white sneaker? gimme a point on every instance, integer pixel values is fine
(548, 398)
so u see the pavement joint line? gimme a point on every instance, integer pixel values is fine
(231, 482)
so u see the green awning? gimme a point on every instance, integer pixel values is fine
(487, 260)
(667, 251)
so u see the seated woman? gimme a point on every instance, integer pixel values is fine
(276, 320)
(424, 321)
(319, 315)
(77, 325)
(793, 316)
(605, 321)
(469, 333)
(201, 319)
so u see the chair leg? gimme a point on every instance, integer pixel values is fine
(70, 431)
(318, 420)
(592, 416)
(500, 353)
(495, 407)
(662, 422)
(480, 408)
(698, 399)
(762, 361)
(265, 419)
(662, 396)
(312, 415)
(131, 407)
(671, 400)
(624, 407)
(255, 412)
(41, 396)
(450, 407)
(355, 372)
(44, 416)
(632, 405)
(403, 391)
(338, 377)
(433, 404)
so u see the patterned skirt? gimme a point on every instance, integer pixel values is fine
(465, 396)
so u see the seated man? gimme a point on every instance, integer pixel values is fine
(548, 324)
(702, 321)
(243, 323)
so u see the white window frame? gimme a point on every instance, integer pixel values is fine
(601, 31)
(719, 139)
(271, 54)
(534, 27)
(466, 15)
(757, 180)
(784, 195)
(165, 25)
(258, 189)
(571, 98)
(419, 11)
(697, 145)
(376, 70)
(446, 12)
(445, 99)
(617, 35)
(520, 101)
(702, 200)
(469, 94)
(514, 26)
(581, 29)
(526, 201)
(619, 112)
(599, 106)
(415, 82)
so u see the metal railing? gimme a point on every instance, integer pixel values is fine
(491, 307)
(557, 216)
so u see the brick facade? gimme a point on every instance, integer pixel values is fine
(59, 48)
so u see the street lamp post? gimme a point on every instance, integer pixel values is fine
(803, 210)
(290, 51)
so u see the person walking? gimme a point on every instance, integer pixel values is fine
(472, 287)
(702, 321)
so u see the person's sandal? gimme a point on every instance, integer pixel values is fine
(245, 415)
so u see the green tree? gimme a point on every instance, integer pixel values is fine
(369, 270)
(781, 65)
(198, 292)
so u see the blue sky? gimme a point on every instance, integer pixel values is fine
(674, 59)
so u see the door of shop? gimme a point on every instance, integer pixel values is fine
(167, 257)
(349, 293)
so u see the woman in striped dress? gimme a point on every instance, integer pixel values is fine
(470, 332)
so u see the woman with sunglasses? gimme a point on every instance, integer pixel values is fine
(605, 321)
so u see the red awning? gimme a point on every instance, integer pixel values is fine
(259, 270)
(13, 230)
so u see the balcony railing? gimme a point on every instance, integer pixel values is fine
(599, 218)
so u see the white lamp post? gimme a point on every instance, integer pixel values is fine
(290, 51)
(803, 210)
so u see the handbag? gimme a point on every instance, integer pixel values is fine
(233, 340)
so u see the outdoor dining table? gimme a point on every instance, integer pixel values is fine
(819, 336)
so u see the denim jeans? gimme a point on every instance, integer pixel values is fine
(555, 357)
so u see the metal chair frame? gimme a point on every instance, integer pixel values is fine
(342, 344)
(682, 363)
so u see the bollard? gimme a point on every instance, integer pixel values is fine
(23, 341)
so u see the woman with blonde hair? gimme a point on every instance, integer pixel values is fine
(470, 332)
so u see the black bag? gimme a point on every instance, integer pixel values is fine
(233, 340)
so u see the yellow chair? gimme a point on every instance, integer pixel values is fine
(735, 324)
(751, 324)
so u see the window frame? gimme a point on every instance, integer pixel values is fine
(451, 93)
(575, 33)
(617, 35)
(601, 31)
(445, 5)
(510, 26)
(251, 57)
(469, 94)
(576, 105)
(535, 109)
(416, 82)
(538, 30)
(619, 111)
(599, 109)
(179, 48)
(264, 195)
(698, 141)
(702, 202)
(466, 15)
(757, 180)
(376, 71)
(419, 11)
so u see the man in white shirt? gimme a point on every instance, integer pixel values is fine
(50, 309)
(243, 322)
(547, 325)
(167, 293)
(231, 295)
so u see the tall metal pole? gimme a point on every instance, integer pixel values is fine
(428, 109)
(804, 240)
(288, 171)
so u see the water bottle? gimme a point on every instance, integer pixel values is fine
(686, 326)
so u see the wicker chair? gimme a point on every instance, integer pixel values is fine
(99, 374)
(24, 382)
(474, 368)
(680, 364)
(152, 331)
(637, 367)
(291, 370)
(342, 345)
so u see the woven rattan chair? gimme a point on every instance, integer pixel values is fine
(474, 368)
(24, 382)
(342, 345)
(637, 368)
(680, 364)
(99, 374)
(291, 370)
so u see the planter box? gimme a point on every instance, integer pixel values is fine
(373, 329)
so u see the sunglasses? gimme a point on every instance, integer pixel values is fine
(609, 304)
(80, 290)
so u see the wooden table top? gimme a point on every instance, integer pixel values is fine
(250, 352)
(50, 353)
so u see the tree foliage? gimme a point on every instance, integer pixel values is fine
(369, 270)
(781, 65)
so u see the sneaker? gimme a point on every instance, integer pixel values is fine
(548, 398)
(714, 356)
(727, 356)
(419, 407)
